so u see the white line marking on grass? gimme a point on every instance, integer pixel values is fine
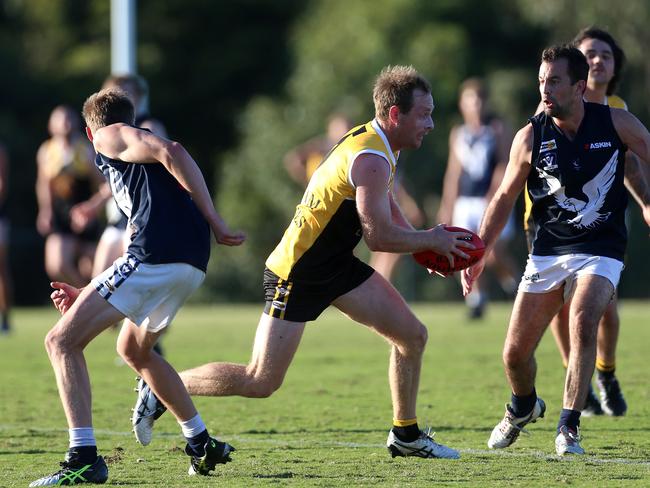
(354, 445)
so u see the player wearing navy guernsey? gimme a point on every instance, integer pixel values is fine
(606, 60)
(348, 197)
(158, 186)
(572, 158)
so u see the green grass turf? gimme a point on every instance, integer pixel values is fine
(328, 423)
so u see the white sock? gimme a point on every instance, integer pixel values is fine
(82, 436)
(192, 427)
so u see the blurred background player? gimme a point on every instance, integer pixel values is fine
(302, 161)
(606, 59)
(478, 155)
(5, 276)
(66, 177)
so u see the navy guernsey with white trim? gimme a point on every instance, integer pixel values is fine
(576, 187)
(165, 225)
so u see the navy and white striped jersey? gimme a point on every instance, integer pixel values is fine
(576, 187)
(165, 224)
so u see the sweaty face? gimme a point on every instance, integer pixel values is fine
(417, 122)
(557, 92)
(601, 61)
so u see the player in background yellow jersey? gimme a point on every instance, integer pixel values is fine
(606, 60)
(348, 198)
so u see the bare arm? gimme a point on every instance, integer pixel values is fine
(370, 174)
(637, 138)
(128, 144)
(504, 139)
(397, 216)
(450, 182)
(43, 193)
(499, 208)
(636, 182)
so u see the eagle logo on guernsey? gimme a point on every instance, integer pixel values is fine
(587, 212)
(548, 146)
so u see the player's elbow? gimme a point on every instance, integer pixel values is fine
(376, 240)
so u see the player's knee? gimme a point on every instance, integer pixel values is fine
(133, 355)
(262, 385)
(585, 332)
(56, 342)
(421, 338)
(263, 388)
(513, 357)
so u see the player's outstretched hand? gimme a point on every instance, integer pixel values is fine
(469, 275)
(225, 236)
(63, 296)
(450, 243)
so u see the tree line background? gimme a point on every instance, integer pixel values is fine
(240, 82)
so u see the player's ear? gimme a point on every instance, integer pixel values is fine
(89, 134)
(393, 114)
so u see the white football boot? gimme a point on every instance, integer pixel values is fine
(147, 409)
(507, 431)
(424, 446)
(568, 442)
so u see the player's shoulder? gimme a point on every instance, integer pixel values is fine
(614, 101)
(524, 136)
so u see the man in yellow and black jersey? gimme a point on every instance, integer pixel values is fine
(348, 198)
(605, 59)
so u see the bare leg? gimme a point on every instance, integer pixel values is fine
(505, 269)
(608, 331)
(593, 294)
(60, 260)
(276, 342)
(530, 317)
(378, 305)
(5, 281)
(560, 330)
(65, 343)
(135, 345)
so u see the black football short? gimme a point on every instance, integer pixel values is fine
(305, 300)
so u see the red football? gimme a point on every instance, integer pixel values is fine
(437, 262)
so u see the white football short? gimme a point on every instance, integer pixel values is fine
(547, 273)
(148, 294)
(468, 213)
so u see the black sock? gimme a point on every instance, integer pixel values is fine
(82, 454)
(198, 442)
(570, 418)
(606, 375)
(521, 406)
(408, 433)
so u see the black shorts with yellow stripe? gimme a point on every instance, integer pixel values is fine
(299, 300)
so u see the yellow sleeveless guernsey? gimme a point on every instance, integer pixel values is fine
(326, 227)
(613, 101)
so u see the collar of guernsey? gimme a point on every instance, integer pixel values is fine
(325, 227)
(613, 101)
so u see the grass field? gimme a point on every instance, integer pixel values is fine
(327, 425)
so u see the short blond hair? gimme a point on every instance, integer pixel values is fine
(106, 107)
(395, 86)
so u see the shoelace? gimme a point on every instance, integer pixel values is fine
(571, 437)
(507, 424)
(427, 433)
